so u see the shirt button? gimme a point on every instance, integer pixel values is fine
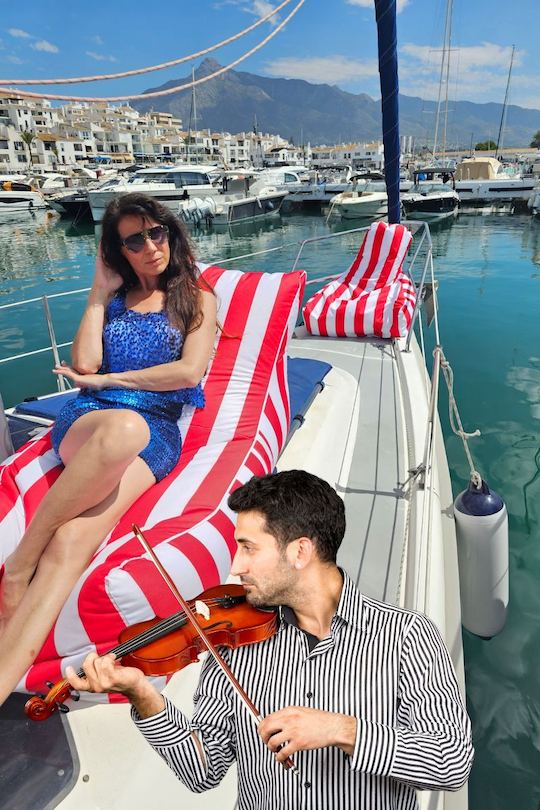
(309, 695)
(307, 784)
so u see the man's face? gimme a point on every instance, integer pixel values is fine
(265, 569)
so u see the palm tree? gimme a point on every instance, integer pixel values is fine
(28, 136)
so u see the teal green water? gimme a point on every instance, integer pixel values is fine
(489, 297)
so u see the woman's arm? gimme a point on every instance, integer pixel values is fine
(183, 373)
(87, 349)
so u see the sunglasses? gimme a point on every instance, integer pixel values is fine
(136, 242)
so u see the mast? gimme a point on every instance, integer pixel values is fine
(385, 12)
(447, 81)
(505, 104)
(445, 53)
(194, 107)
(188, 144)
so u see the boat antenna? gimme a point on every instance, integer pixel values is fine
(505, 105)
(385, 12)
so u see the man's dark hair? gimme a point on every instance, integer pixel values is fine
(295, 504)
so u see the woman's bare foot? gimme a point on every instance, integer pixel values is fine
(13, 586)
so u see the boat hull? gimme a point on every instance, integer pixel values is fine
(494, 191)
(435, 208)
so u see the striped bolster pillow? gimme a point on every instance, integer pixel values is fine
(374, 297)
(239, 433)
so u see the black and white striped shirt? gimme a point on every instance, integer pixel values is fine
(386, 666)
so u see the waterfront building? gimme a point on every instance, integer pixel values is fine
(357, 155)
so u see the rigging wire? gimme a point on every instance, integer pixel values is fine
(170, 90)
(162, 66)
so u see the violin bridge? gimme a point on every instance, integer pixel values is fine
(202, 609)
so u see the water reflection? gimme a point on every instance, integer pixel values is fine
(531, 240)
(40, 248)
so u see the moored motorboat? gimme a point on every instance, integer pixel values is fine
(430, 201)
(485, 181)
(18, 197)
(72, 204)
(170, 186)
(366, 202)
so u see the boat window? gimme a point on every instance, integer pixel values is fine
(290, 178)
(151, 177)
(374, 186)
(181, 179)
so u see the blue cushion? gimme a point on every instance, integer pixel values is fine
(47, 408)
(305, 378)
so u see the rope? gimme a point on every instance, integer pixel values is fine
(455, 418)
(163, 65)
(171, 90)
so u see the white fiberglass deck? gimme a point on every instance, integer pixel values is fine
(364, 457)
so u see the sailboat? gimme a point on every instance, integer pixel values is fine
(433, 196)
(365, 420)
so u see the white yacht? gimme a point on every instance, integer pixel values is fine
(17, 196)
(367, 202)
(170, 185)
(484, 181)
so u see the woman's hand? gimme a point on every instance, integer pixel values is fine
(105, 278)
(95, 381)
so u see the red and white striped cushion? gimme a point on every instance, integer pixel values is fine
(374, 297)
(239, 433)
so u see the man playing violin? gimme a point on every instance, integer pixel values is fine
(361, 695)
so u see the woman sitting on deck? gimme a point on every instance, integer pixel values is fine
(139, 355)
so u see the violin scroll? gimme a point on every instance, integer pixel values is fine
(42, 707)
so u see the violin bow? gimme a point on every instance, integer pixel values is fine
(289, 764)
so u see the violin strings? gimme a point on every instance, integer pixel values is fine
(168, 625)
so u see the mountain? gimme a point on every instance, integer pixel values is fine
(326, 114)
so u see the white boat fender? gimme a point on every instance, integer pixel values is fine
(482, 543)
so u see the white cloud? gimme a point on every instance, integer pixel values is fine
(18, 32)
(15, 60)
(99, 57)
(478, 73)
(258, 8)
(401, 4)
(324, 69)
(43, 45)
(496, 57)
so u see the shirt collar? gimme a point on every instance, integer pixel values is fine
(349, 607)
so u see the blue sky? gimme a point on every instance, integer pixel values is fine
(331, 41)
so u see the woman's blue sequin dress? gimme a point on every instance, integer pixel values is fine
(133, 341)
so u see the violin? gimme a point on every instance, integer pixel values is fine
(164, 646)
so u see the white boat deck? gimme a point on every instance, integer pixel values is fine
(373, 467)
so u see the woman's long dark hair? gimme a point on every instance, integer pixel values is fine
(180, 281)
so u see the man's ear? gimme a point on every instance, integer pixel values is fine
(301, 552)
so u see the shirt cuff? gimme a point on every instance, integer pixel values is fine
(166, 728)
(374, 748)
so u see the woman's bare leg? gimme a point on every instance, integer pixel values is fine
(97, 450)
(64, 560)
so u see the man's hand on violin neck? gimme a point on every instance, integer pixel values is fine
(299, 728)
(106, 675)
